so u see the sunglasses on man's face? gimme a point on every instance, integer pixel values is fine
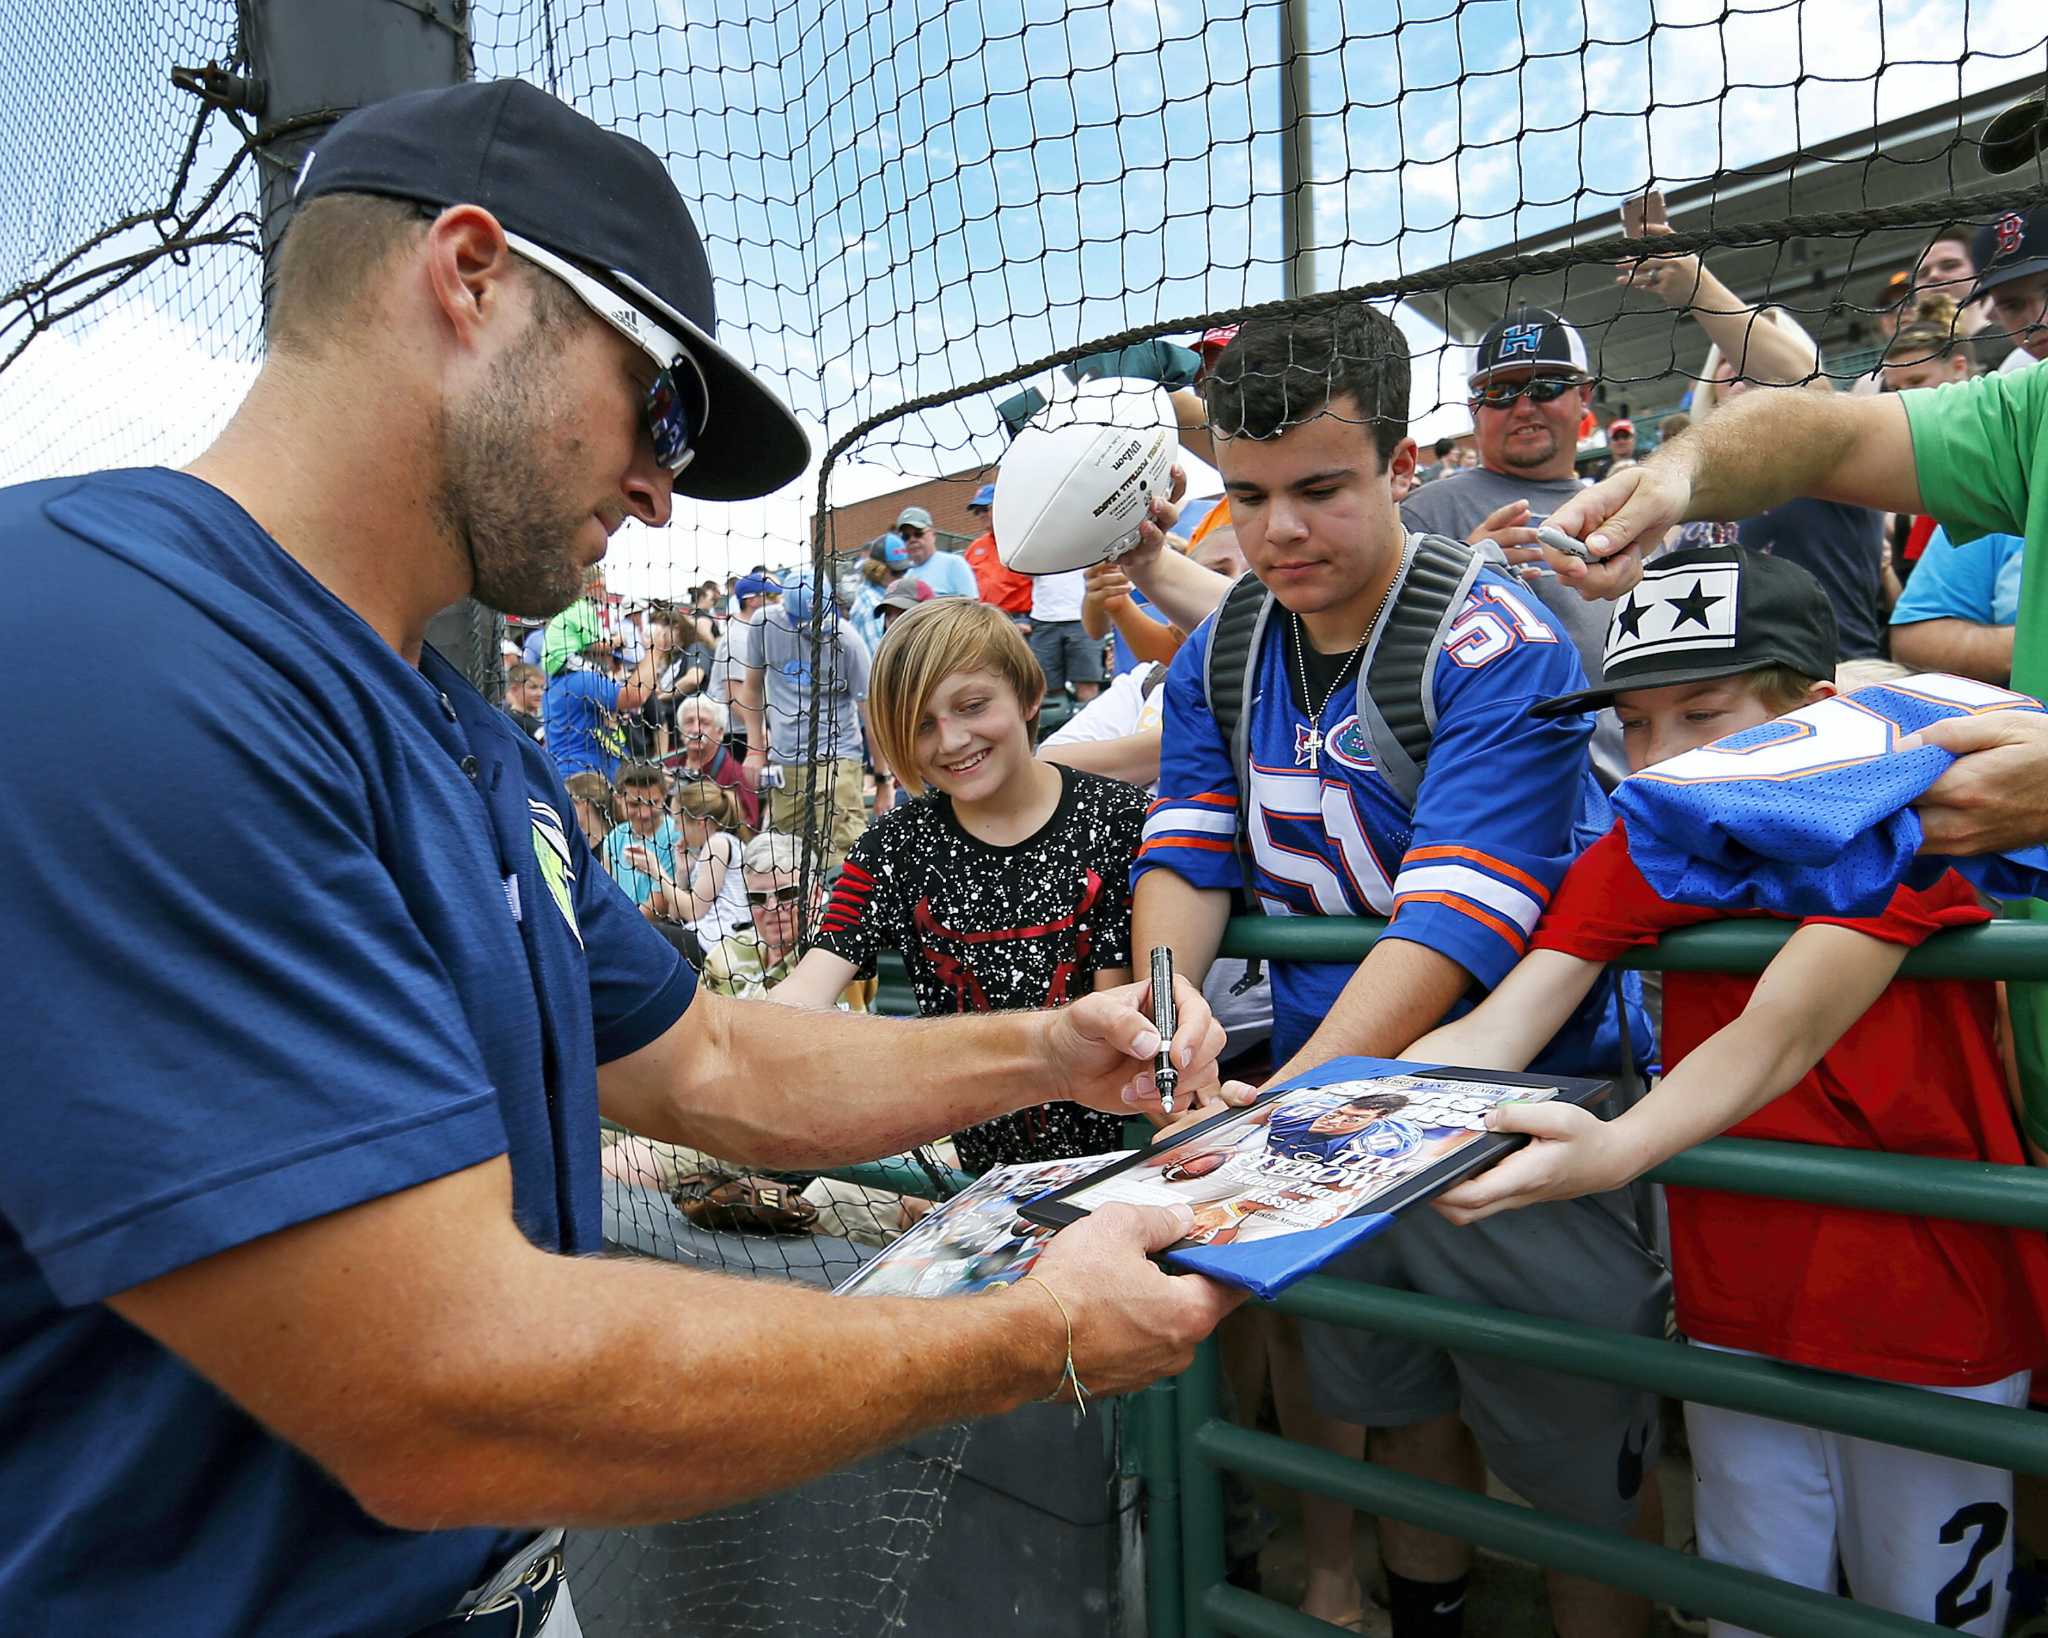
(677, 403)
(1546, 389)
(761, 899)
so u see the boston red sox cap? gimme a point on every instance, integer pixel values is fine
(2009, 248)
(1713, 611)
(595, 198)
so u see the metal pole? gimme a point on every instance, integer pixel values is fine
(2029, 1002)
(1199, 1401)
(1158, 1413)
(1860, 1407)
(1999, 950)
(1297, 155)
(313, 61)
(1742, 1596)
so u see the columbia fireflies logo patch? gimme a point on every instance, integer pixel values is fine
(551, 853)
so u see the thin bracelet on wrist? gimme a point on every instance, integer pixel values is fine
(1068, 1375)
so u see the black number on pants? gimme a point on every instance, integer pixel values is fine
(1951, 1608)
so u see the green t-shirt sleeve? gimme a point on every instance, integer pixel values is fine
(1977, 445)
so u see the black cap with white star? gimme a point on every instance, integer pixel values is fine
(1714, 611)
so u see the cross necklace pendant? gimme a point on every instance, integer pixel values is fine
(1309, 741)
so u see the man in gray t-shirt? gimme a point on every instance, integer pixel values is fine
(1530, 386)
(781, 663)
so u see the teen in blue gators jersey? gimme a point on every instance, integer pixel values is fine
(1445, 807)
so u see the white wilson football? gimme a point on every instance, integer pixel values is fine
(1073, 494)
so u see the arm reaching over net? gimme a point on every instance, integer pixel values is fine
(1762, 351)
(1758, 452)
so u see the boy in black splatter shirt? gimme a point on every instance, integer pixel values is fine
(1005, 885)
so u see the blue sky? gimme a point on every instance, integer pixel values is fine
(899, 195)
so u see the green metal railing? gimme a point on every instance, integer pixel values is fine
(1186, 1442)
(1181, 1443)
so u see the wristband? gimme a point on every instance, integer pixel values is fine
(1068, 1375)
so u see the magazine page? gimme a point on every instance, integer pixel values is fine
(976, 1240)
(1309, 1156)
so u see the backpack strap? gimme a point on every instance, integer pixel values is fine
(1396, 705)
(1396, 702)
(1229, 677)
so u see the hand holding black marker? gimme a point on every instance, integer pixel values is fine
(1164, 1021)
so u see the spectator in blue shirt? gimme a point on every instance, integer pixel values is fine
(947, 573)
(1960, 609)
(584, 702)
(301, 1326)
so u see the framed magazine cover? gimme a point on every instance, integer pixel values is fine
(976, 1240)
(1312, 1167)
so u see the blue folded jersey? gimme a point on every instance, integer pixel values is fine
(1810, 814)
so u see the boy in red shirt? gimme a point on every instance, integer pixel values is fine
(1825, 1047)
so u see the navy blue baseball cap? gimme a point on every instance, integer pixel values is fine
(596, 199)
(2012, 247)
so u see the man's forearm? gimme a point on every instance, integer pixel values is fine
(484, 1381)
(634, 1393)
(1766, 448)
(749, 1086)
(746, 705)
(1133, 758)
(1399, 992)
(1516, 1022)
(1763, 353)
(1961, 646)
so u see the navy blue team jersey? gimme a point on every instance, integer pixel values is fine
(1810, 814)
(293, 925)
(1507, 802)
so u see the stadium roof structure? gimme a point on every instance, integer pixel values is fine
(1830, 284)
